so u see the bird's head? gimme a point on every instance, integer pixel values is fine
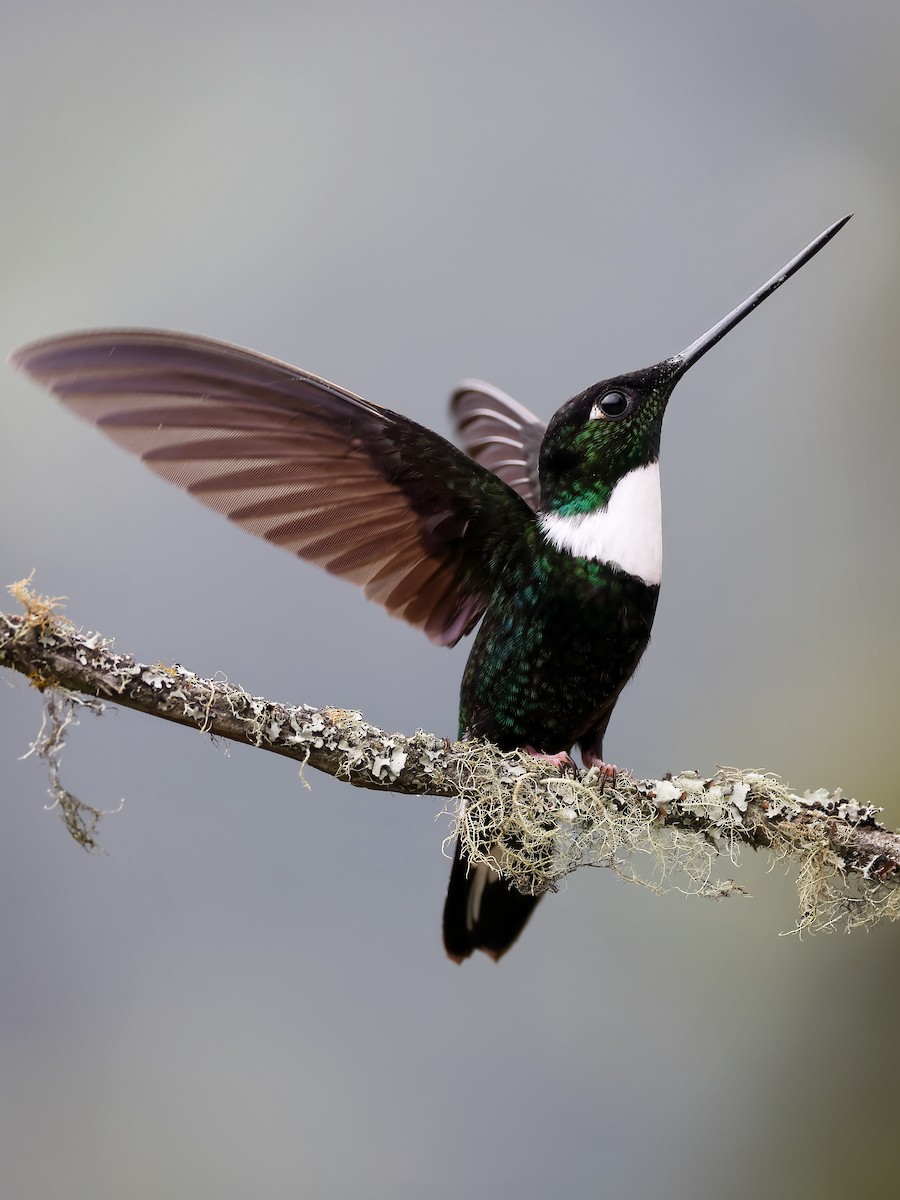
(603, 434)
(613, 428)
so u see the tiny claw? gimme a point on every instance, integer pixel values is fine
(608, 771)
(562, 759)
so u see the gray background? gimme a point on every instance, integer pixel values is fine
(247, 995)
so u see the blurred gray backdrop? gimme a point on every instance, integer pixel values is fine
(246, 995)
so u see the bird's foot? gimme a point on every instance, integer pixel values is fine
(562, 760)
(608, 771)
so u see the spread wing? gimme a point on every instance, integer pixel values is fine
(501, 434)
(364, 492)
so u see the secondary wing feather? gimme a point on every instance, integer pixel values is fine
(501, 434)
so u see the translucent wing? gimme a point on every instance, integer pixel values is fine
(501, 434)
(364, 492)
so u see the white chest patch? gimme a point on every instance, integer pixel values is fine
(627, 533)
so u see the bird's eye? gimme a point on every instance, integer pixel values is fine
(611, 404)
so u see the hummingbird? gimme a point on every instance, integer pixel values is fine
(549, 537)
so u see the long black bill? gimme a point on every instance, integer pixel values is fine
(697, 349)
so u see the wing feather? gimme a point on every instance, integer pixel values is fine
(501, 435)
(367, 494)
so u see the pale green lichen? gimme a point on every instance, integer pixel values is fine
(60, 712)
(828, 896)
(537, 830)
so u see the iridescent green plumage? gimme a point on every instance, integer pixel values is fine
(565, 626)
(560, 638)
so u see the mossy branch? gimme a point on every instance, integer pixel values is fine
(532, 822)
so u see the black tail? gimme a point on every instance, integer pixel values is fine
(482, 912)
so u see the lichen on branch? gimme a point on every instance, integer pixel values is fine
(526, 818)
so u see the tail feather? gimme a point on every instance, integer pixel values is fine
(482, 912)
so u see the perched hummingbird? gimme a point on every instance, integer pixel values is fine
(550, 537)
